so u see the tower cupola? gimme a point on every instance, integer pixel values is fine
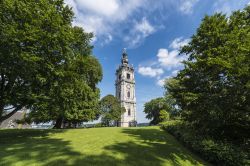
(124, 57)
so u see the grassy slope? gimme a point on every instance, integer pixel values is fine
(97, 146)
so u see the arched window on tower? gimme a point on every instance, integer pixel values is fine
(129, 112)
(128, 94)
(128, 76)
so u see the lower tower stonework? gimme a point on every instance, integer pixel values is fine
(125, 91)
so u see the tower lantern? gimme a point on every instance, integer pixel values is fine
(124, 57)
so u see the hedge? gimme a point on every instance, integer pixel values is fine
(215, 152)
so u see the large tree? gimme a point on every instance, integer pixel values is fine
(155, 109)
(45, 62)
(75, 96)
(213, 90)
(111, 111)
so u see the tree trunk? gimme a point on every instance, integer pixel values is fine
(2, 95)
(74, 124)
(58, 124)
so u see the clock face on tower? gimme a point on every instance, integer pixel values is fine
(128, 86)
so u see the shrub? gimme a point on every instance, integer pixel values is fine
(215, 152)
(98, 125)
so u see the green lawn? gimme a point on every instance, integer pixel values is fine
(97, 146)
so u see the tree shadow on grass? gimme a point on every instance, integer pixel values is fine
(147, 146)
(33, 147)
(154, 147)
(36, 147)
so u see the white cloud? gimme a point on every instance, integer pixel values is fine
(169, 59)
(178, 43)
(174, 72)
(139, 32)
(107, 39)
(129, 20)
(144, 27)
(161, 82)
(115, 17)
(186, 6)
(149, 71)
(227, 6)
(102, 16)
(220, 6)
(100, 7)
(92, 24)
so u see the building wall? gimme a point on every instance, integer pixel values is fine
(11, 121)
(123, 86)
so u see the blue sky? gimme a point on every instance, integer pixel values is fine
(151, 30)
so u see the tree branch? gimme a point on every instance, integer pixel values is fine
(10, 114)
(2, 81)
(2, 93)
(5, 109)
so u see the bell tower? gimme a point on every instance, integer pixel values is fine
(125, 91)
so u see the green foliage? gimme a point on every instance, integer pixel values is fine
(32, 36)
(46, 64)
(170, 123)
(216, 152)
(111, 110)
(152, 109)
(75, 100)
(164, 115)
(213, 90)
(98, 125)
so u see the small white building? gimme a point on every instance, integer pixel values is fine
(125, 91)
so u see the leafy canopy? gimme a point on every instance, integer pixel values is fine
(46, 63)
(111, 110)
(213, 90)
(158, 109)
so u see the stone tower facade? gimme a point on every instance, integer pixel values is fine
(125, 91)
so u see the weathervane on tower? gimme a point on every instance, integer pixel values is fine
(124, 50)
(124, 59)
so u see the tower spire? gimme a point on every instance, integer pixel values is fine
(124, 51)
(124, 57)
